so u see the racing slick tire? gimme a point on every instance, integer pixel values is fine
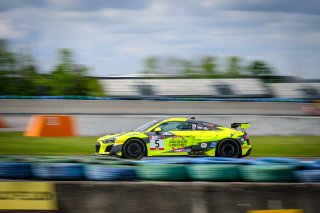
(134, 149)
(228, 148)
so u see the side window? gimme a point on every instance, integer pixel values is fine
(176, 126)
(199, 127)
(194, 126)
(206, 126)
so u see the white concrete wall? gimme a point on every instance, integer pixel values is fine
(292, 90)
(183, 87)
(95, 125)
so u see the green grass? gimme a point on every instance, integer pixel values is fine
(285, 146)
(14, 143)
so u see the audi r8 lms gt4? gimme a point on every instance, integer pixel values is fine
(177, 137)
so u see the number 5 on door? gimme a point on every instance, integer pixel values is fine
(156, 143)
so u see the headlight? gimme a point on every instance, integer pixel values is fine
(108, 141)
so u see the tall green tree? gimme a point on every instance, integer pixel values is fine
(208, 65)
(233, 66)
(151, 65)
(16, 75)
(257, 68)
(187, 67)
(62, 74)
(7, 58)
(68, 78)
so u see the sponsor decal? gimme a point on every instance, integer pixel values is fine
(203, 145)
(177, 143)
(27, 196)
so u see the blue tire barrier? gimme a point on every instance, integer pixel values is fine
(279, 161)
(15, 170)
(307, 175)
(54, 159)
(162, 172)
(58, 171)
(311, 165)
(165, 160)
(267, 173)
(221, 160)
(107, 161)
(179, 160)
(153, 160)
(7, 158)
(193, 160)
(213, 172)
(109, 172)
(316, 164)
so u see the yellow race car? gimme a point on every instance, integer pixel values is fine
(177, 137)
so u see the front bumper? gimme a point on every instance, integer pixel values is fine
(103, 148)
(246, 152)
(108, 149)
(116, 150)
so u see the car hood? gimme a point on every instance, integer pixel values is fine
(114, 137)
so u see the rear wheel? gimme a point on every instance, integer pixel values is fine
(228, 148)
(134, 149)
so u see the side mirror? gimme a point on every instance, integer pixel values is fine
(157, 130)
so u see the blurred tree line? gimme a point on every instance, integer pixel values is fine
(207, 67)
(19, 75)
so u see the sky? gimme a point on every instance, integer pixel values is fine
(112, 37)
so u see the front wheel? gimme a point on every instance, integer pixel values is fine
(228, 148)
(134, 149)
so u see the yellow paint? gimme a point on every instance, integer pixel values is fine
(102, 147)
(27, 196)
(171, 154)
(277, 211)
(211, 152)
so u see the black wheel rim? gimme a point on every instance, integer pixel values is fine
(228, 150)
(134, 149)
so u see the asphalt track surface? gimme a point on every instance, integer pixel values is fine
(95, 117)
(142, 107)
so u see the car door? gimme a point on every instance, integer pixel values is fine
(174, 139)
(206, 137)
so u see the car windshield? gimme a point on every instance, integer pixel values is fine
(146, 126)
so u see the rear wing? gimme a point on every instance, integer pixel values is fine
(241, 125)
